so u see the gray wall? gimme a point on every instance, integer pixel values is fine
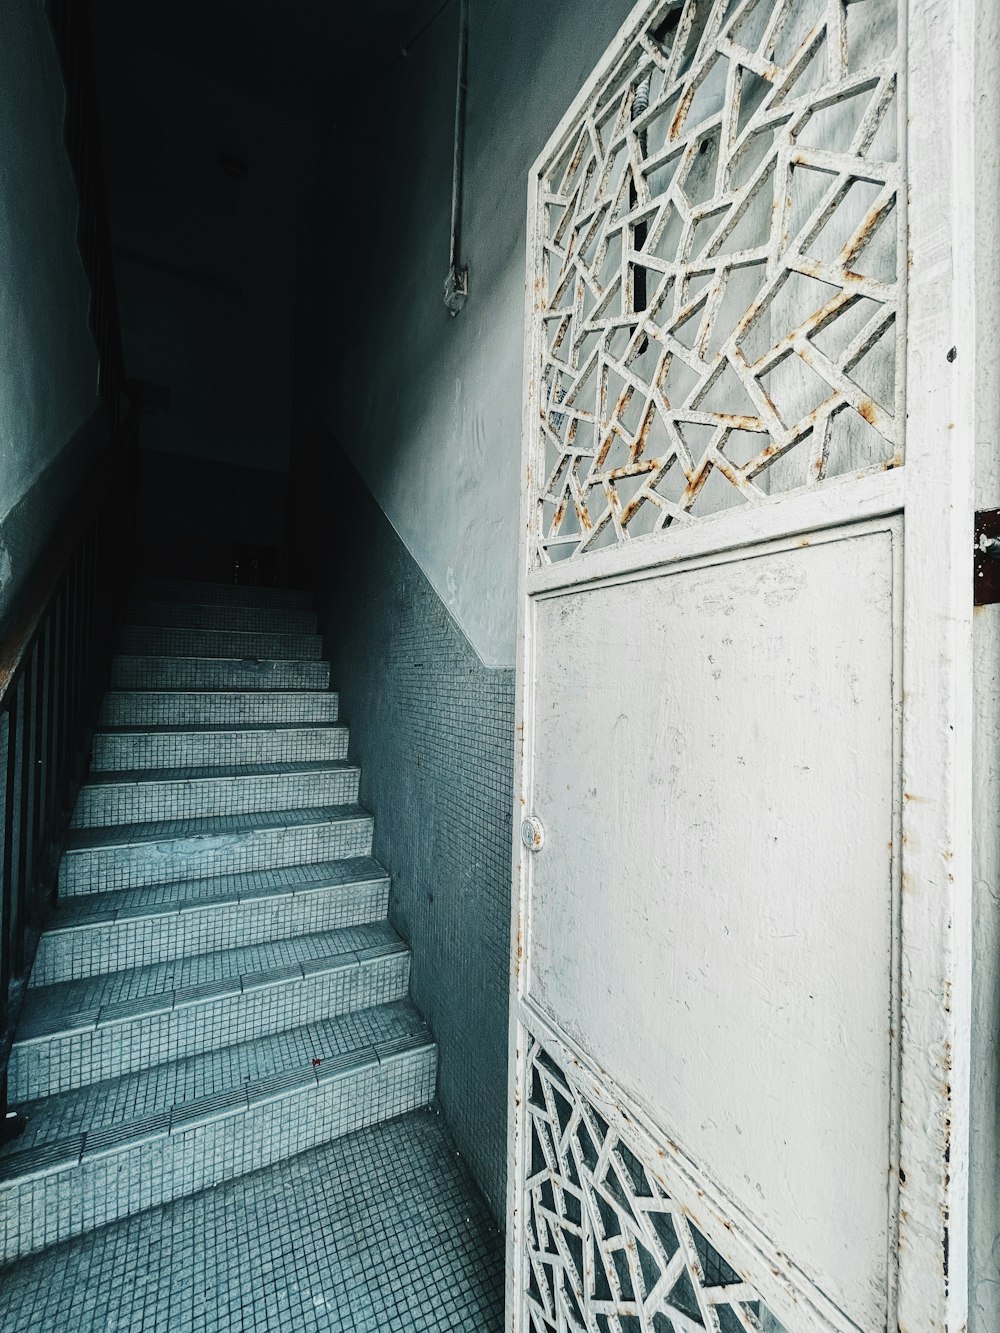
(204, 259)
(48, 361)
(431, 728)
(429, 407)
(419, 594)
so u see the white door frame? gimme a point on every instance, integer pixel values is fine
(933, 491)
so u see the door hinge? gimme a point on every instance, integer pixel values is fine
(986, 558)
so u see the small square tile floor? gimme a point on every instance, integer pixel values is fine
(379, 1232)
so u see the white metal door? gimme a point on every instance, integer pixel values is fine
(740, 976)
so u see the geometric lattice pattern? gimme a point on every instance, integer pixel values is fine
(717, 260)
(606, 1247)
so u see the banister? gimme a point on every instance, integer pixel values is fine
(36, 597)
(55, 660)
(55, 653)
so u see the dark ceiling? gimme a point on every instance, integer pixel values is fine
(299, 56)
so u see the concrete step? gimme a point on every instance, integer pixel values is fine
(95, 933)
(79, 1032)
(136, 749)
(193, 708)
(217, 673)
(170, 641)
(220, 594)
(124, 856)
(142, 795)
(95, 1154)
(249, 619)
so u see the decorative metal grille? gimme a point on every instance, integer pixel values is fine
(607, 1249)
(719, 247)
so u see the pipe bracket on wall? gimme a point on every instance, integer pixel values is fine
(456, 288)
(456, 284)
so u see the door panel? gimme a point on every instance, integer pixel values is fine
(741, 941)
(711, 915)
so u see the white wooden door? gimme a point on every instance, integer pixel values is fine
(740, 991)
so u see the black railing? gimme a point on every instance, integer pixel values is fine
(56, 650)
(54, 665)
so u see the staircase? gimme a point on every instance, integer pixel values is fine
(219, 987)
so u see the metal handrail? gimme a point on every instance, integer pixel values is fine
(36, 599)
(54, 667)
(56, 652)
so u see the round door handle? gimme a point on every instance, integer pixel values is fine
(532, 833)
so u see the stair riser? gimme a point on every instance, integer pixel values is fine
(149, 641)
(111, 1049)
(171, 673)
(65, 1200)
(247, 619)
(187, 708)
(138, 803)
(220, 594)
(96, 870)
(206, 749)
(115, 946)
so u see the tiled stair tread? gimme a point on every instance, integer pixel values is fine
(218, 728)
(89, 909)
(141, 607)
(210, 694)
(133, 631)
(211, 826)
(221, 674)
(226, 594)
(216, 772)
(228, 658)
(191, 641)
(225, 1075)
(80, 1003)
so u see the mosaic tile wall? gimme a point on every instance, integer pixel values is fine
(434, 732)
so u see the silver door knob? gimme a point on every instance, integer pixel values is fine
(532, 833)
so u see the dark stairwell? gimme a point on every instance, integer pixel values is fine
(222, 1099)
(244, 829)
(220, 1004)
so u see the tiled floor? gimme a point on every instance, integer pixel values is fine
(378, 1232)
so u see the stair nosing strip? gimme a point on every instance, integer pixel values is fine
(208, 992)
(108, 1139)
(284, 1083)
(66, 1028)
(213, 1106)
(356, 815)
(196, 657)
(333, 1067)
(397, 1048)
(199, 729)
(101, 1140)
(57, 1155)
(121, 916)
(321, 766)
